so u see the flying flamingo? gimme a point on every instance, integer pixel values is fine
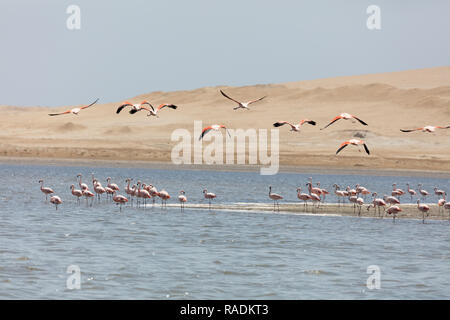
(394, 210)
(423, 192)
(294, 127)
(424, 209)
(209, 196)
(154, 112)
(134, 107)
(428, 129)
(345, 116)
(45, 190)
(411, 191)
(182, 199)
(74, 111)
(76, 193)
(213, 127)
(354, 142)
(83, 186)
(56, 201)
(119, 199)
(275, 197)
(304, 197)
(243, 105)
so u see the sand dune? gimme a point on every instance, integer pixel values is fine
(387, 102)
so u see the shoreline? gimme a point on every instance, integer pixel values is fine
(221, 168)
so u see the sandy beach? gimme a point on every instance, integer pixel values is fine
(387, 102)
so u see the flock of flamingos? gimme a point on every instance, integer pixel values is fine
(142, 192)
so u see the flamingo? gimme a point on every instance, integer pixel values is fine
(399, 192)
(119, 199)
(88, 194)
(353, 199)
(153, 192)
(76, 193)
(447, 207)
(439, 193)
(428, 129)
(361, 190)
(213, 127)
(45, 190)
(74, 111)
(142, 193)
(294, 127)
(275, 197)
(323, 192)
(56, 201)
(164, 195)
(315, 198)
(354, 142)
(411, 191)
(129, 190)
(83, 186)
(154, 112)
(394, 210)
(441, 204)
(209, 196)
(113, 186)
(345, 116)
(314, 190)
(109, 192)
(182, 199)
(243, 105)
(424, 209)
(377, 202)
(98, 189)
(423, 192)
(339, 193)
(392, 200)
(360, 203)
(304, 197)
(134, 107)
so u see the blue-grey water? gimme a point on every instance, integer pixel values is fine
(201, 254)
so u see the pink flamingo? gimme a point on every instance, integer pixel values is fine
(83, 186)
(441, 204)
(76, 193)
(411, 192)
(154, 112)
(164, 195)
(243, 105)
(377, 202)
(134, 107)
(323, 192)
(391, 200)
(447, 207)
(45, 190)
(209, 196)
(119, 199)
(113, 186)
(345, 116)
(153, 192)
(129, 191)
(360, 203)
(88, 194)
(109, 192)
(98, 189)
(423, 192)
(74, 111)
(353, 199)
(353, 142)
(304, 197)
(294, 127)
(182, 199)
(439, 193)
(399, 192)
(56, 201)
(215, 127)
(393, 210)
(424, 209)
(315, 198)
(428, 129)
(339, 193)
(142, 193)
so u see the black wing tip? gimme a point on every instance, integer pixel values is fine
(133, 111)
(277, 124)
(367, 149)
(312, 122)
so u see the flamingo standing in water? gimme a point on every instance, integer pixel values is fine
(360, 203)
(377, 202)
(142, 193)
(441, 204)
(304, 197)
(182, 199)
(113, 186)
(344, 116)
(315, 198)
(74, 111)
(153, 192)
(423, 192)
(294, 127)
(411, 192)
(56, 201)
(439, 193)
(88, 194)
(241, 105)
(398, 191)
(76, 193)
(83, 186)
(339, 193)
(45, 190)
(119, 199)
(275, 197)
(129, 190)
(98, 189)
(209, 196)
(424, 209)
(323, 192)
(394, 210)
(164, 195)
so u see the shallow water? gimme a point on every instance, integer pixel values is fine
(197, 254)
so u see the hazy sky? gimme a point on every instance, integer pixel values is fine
(134, 47)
